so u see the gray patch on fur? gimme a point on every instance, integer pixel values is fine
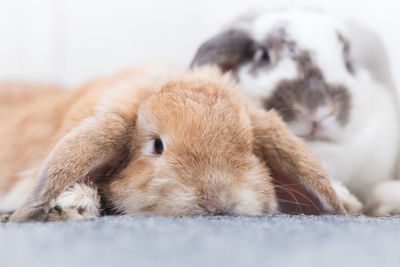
(274, 43)
(346, 53)
(310, 90)
(227, 50)
(230, 50)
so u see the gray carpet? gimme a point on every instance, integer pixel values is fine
(204, 241)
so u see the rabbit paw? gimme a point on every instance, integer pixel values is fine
(4, 217)
(78, 202)
(352, 205)
(384, 199)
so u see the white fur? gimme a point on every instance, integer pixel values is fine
(262, 87)
(362, 155)
(328, 127)
(350, 202)
(133, 204)
(312, 30)
(249, 204)
(367, 152)
(80, 201)
(384, 199)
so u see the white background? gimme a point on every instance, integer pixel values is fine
(69, 41)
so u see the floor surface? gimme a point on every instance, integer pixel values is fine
(278, 240)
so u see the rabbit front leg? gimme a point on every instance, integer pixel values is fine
(350, 202)
(80, 201)
(94, 149)
(384, 199)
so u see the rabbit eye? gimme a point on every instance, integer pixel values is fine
(262, 55)
(158, 146)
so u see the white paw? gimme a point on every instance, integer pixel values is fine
(352, 205)
(78, 202)
(384, 199)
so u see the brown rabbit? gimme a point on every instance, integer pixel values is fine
(142, 144)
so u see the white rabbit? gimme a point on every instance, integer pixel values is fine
(330, 81)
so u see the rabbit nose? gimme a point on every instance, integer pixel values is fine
(315, 125)
(218, 211)
(218, 204)
(319, 114)
(316, 119)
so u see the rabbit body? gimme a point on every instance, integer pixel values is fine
(141, 142)
(330, 81)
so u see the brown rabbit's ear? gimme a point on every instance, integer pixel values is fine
(301, 182)
(95, 149)
(227, 50)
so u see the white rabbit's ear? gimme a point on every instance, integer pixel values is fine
(368, 51)
(227, 50)
(92, 151)
(301, 182)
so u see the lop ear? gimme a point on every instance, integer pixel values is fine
(301, 182)
(95, 149)
(368, 51)
(227, 50)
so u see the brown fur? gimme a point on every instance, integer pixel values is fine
(299, 164)
(216, 147)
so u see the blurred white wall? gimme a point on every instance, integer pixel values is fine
(69, 41)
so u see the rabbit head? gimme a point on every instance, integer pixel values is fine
(293, 60)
